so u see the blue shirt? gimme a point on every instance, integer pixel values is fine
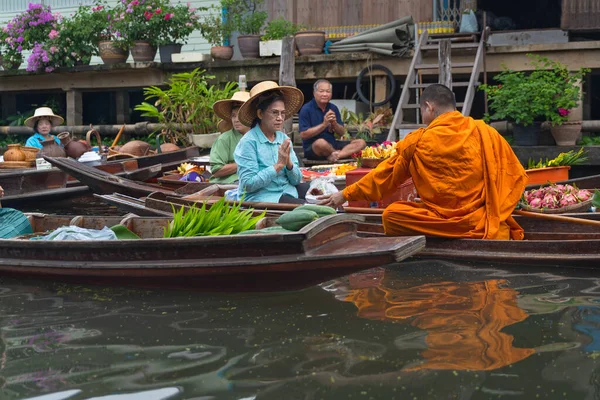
(255, 157)
(311, 115)
(37, 139)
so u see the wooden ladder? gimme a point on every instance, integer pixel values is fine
(414, 83)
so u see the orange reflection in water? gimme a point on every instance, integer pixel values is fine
(463, 321)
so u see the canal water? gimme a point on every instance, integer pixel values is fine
(416, 330)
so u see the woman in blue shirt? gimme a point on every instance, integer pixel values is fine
(42, 122)
(267, 165)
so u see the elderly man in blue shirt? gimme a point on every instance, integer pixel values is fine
(319, 122)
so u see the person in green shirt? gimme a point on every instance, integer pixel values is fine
(222, 164)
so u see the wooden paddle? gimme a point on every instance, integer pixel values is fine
(114, 143)
(554, 217)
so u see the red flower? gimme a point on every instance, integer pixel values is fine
(168, 16)
(148, 15)
(563, 112)
(158, 11)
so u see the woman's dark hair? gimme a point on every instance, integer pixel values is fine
(264, 101)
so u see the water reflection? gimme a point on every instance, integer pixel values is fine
(462, 320)
(427, 330)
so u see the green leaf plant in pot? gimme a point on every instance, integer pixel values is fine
(248, 18)
(185, 107)
(373, 129)
(528, 98)
(175, 25)
(275, 31)
(217, 31)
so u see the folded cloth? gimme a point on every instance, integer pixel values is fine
(77, 233)
(13, 223)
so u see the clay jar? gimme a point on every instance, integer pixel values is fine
(137, 148)
(51, 149)
(73, 148)
(14, 153)
(168, 147)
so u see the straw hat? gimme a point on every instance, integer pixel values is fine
(223, 107)
(44, 112)
(224, 125)
(292, 97)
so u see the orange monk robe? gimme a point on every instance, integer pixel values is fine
(467, 176)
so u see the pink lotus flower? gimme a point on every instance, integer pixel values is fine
(563, 112)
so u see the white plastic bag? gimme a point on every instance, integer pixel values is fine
(468, 22)
(320, 187)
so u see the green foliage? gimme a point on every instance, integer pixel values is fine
(5, 140)
(214, 29)
(563, 159)
(188, 100)
(279, 28)
(590, 141)
(547, 93)
(246, 15)
(366, 128)
(219, 219)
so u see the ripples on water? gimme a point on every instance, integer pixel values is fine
(419, 330)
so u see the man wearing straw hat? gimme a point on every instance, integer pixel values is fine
(42, 122)
(267, 165)
(222, 165)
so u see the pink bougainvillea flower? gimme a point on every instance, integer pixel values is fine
(53, 34)
(168, 16)
(563, 112)
(158, 11)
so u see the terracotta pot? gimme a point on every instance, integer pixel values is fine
(51, 149)
(168, 147)
(566, 134)
(14, 153)
(249, 45)
(137, 148)
(73, 148)
(112, 54)
(143, 51)
(310, 42)
(30, 152)
(167, 50)
(221, 52)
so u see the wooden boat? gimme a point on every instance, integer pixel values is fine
(53, 184)
(326, 248)
(547, 242)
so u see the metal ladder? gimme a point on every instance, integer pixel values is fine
(414, 83)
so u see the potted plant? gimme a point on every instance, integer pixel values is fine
(275, 31)
(113, 45)
(310, 42)
(185, 108)
(248, 19)
(176, 25)
(373, 129)
(24, 31)
(528, 99)
(217, 32)
(142, 21)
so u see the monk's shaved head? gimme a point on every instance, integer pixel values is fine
(439, 95)
(436, 100)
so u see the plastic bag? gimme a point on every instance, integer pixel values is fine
(77, 233)
(320, 187)
(232, 195)
(468, 22)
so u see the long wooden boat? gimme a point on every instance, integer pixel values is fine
(547, 242)
(102, 182)
(326, 248)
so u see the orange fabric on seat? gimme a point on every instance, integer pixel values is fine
(467, 176)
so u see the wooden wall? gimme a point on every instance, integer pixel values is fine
(580, 15)
(317, 13)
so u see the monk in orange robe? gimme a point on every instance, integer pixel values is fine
(467, 176)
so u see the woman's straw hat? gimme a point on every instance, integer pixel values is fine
(292, 97)
(44, 112)
(223, 107)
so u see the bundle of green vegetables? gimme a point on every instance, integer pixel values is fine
(563, 159)
(220, 219)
